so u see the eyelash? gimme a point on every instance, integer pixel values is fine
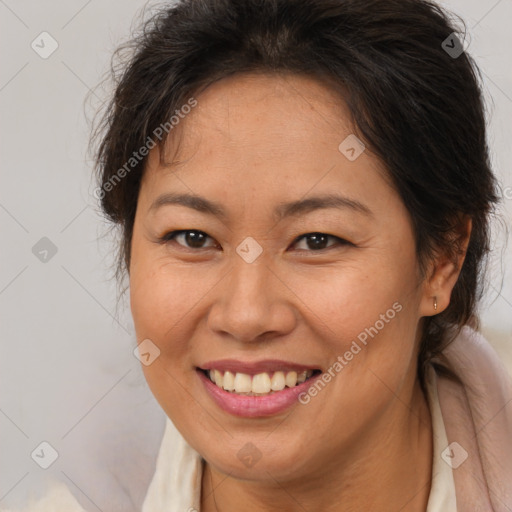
(171, 237)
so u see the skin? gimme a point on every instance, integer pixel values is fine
(365, 441)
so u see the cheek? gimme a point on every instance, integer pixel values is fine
(159, 300)
(343, 302)
(380, 348)
(369, 318)
(167, 301)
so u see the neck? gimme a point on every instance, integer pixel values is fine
(389, 469)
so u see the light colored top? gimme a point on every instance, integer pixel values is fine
(442, 490)
(176, 484)
(470, 399)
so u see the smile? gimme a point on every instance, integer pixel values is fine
(260, 384)
(258, 389)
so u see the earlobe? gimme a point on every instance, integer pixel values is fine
(438, 291)
(445, 271)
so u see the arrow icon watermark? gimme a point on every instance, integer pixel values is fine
(44, 250)
(44, 455)
(249, 455)
(44, 45)
(249, 250)
(146, 352)
(352, 147)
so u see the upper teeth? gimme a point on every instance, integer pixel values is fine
(262, 383)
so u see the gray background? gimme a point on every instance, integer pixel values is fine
(68, 374)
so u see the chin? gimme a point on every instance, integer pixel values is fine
(261, 457)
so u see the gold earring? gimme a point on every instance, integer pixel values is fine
(435, 303)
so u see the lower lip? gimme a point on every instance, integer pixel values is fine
(254, 406)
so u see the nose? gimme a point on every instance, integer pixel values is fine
(252, 304)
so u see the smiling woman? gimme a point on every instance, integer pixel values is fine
(305, 250)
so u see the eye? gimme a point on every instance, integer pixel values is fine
(319, 241)
(195, 239)
(188, 238)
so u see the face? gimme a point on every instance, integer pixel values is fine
(294, 258)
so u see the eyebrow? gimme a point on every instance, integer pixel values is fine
(283, 210)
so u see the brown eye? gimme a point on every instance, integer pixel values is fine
(318, 241)
(190, 238)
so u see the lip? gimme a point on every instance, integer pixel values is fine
(254, 406)
(253, 368)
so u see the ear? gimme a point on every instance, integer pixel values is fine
(444, 270)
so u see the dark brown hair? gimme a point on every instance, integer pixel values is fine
(415, 100)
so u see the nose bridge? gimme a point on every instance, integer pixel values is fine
(249, 271)
(250, 302)
(248, 289)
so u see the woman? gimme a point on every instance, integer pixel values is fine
(304, 193)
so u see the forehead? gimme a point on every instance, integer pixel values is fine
(281, 112)
(263, 137)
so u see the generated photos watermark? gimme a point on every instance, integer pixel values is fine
(143, 151)
(355, 348)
